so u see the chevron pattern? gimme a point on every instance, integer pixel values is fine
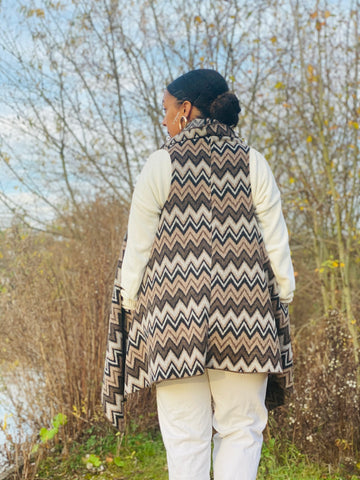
(208, 298)
(112, 393)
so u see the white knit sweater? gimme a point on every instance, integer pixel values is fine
(150, 194)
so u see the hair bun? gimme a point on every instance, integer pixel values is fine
(226, 108)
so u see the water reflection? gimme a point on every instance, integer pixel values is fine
(9, 416)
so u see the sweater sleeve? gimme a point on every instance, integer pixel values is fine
(267, 201)
(150, 193)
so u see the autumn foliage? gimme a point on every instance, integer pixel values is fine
(85, 102)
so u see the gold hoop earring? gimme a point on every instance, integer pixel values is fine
(182, 119)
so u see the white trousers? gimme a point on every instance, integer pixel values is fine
(186, 420)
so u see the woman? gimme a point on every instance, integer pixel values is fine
(207, 275)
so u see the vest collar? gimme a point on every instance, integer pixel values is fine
(202, 127)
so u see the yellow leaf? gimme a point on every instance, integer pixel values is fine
(273, 39)
(310, 69)
(3, 427)
(39, 12)
(279, 85)
(291, 180)
(4, 424)
(1, 255)
(354, 125)
(197, 19)
(313, 15)
(76, 412)
(327, 14)
(309, 139)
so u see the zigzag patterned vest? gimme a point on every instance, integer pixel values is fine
(208, 298)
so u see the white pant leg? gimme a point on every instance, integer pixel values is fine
(185, 418)
(240, 417)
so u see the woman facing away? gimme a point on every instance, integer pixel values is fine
(207, 277)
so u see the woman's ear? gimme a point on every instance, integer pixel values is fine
(186, 108)
(190, 111)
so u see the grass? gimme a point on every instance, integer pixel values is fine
(279, 463)
(105, 455)
(101, 454)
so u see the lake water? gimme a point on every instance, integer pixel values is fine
(8, 416)
(5, 412)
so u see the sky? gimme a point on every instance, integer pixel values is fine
(21, 145)
(13, 144)
(18, 146)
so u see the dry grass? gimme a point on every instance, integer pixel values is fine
(54, 300)
(54, 307)
(324, 418)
